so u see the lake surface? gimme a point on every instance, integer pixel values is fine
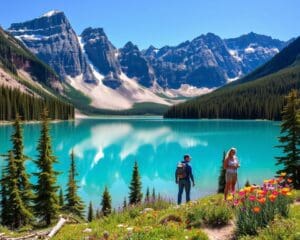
(106, 149)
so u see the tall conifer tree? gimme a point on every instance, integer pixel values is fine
(61, 198)
(17, 211)
(135, 195)
(23, 183)
(4, 200)
(290, 138)
(90, 216)
(73, 202)
(222, 182)
(46, 204)
(106, 203)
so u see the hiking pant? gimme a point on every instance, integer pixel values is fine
(186, 185)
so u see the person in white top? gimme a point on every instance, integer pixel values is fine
(231, 164)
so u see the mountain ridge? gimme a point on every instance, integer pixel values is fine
(92, 62)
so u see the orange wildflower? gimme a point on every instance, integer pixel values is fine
(256, 209)
(272, 197)
(283, 174)
(261, 200)
(285, 190)
(289, 180)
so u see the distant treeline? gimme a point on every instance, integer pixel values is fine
(259, 99)
(30, 108)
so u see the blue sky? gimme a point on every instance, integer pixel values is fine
(165, 22)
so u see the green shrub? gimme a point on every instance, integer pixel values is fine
(194, 218)
(218, 215)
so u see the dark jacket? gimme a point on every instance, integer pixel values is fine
(189, 173)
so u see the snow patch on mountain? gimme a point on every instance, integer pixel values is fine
(51, 13)
(121, 98)
(235, 55)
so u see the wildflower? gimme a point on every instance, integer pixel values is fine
(252, 198)
(289, 180)
(289, 194)
(285, 190)
(266, 181)
(256, 209)
(230, 197)
(283, 174)
(242, 193)
(275, 192)
(236, 202)
(247, 189)
(272, 197)
(261, 200)
(272, 181)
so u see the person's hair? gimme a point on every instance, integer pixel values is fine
(228, 152)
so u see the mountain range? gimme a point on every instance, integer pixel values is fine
(96, 73)
(259, 95)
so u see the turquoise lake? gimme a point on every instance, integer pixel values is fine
(106, 149)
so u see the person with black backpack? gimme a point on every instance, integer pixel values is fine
(183, 177)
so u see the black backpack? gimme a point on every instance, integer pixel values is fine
(181, 171)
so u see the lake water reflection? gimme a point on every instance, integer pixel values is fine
(106, 149)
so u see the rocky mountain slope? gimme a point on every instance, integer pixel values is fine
(259, 95)
(92, 65)
(27, 85)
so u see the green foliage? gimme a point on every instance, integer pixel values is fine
(135, 195)
(124, 203)
(214, 213)
(153, 194)
(90, 216)
(195, 217)
(218, 216)
(14, 102)
(73, 202)
(262, 98)
(24, 186)
(106, 203)
(4, 200)
(46, 203)
(247, 184)
(61, 198)
(147, 196)
(17, 214)
(222, 180)
(290, 138)
(280, 229)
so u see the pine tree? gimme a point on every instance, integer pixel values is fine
(153, 195)
(247, 184)
(23, 183)
(17, 211)
(90, 215)
(106, 203)
(4, 200)
(290, 139)
(125, 203)
(222, 181)
(46, 204)
(61, 198)
(135, 187)
(73, 202)
(147, 197)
